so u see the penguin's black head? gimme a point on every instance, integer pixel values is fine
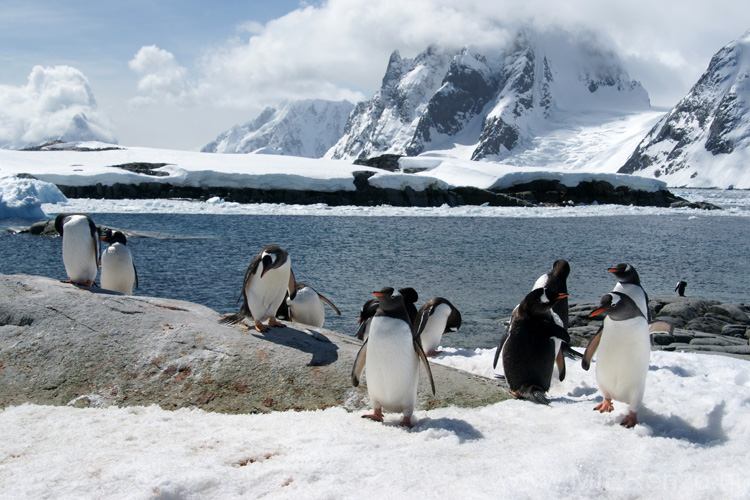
(113, 237)
(625, 273)
(389, 298)
(272, 257)
(617, 306)
(540, 301)
(561, 269)
(410, 295)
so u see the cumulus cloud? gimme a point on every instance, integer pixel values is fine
(162, 79)
(56, 103)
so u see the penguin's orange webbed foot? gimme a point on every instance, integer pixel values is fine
(605, 406)
(630, 420)
(406, 422)
(432, 353)
(260, 327)
(376, 415)
(274, 322)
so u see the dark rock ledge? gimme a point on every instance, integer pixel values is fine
(539, 192)
(700, 325)
(66, 345)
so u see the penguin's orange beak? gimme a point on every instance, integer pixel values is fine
(561, 296)
(377, 294)
(612, 269)
(598, 311)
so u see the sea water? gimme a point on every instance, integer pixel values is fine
(484, 265)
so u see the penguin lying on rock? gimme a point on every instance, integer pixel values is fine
(306, 307)
(436, 317)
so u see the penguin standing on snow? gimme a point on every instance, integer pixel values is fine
(436, 317)
(390, 359)
(118, 271)
(528, 349)
(268, 279)
(623, 351)
(306, 307)
(80, 247)
(371, 306)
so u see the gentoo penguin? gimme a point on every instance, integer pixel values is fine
(306, 307)
(629, 283)
(680, 288)
(368, 310)
(623, 350)
(268, 279)
(390, 358)
(80, 247)
(118, 271)
(528, 349)
(436, 317)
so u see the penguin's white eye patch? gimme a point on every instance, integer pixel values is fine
(544, 298)
(628, 268)
(615, 298)
(272, 255)
(395, 294)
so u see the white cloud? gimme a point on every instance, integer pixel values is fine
(162, 79)
(56, 102)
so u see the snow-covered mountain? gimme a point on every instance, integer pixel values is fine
(298, 128)
(495, 105)
(704, 141)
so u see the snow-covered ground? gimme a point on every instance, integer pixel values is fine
(691, 443)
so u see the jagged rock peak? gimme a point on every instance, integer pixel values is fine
(704, 140)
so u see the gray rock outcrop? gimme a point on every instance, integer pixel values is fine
(66, 345)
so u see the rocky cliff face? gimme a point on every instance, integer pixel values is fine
(495, 103)
(300, 128)
(704, 140)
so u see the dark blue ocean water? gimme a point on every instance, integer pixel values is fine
(483, 265)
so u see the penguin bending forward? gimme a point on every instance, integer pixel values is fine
(390, 359)
(528, 348)
(557, 280)
(306, 307)
(436, 317)
(80, 247)
(118, 271)
(623, 351)
(268, 279)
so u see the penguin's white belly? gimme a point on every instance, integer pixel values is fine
(265, 294)
(636, 293)
(622, 360)
(79, 250)
(392, 366)
(307, 308)
(118, 273)
(433, 331)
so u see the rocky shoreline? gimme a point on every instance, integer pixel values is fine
(700, 325)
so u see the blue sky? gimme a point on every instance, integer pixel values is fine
(174, 74)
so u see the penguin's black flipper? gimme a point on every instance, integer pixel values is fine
(421, 354)
(500, 345)
(359, 364)
(591, 349)
(560, 360)
(330, 304)
(292, 285)
(362, 329)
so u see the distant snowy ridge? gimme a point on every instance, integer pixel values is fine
(305, 128)
(494, 105)
(704, 141)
